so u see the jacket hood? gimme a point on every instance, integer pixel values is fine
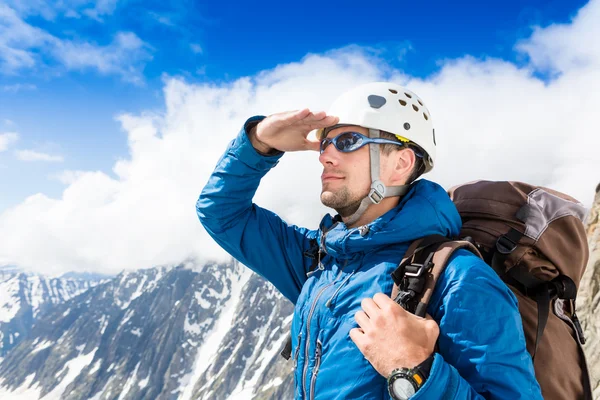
(425, 210)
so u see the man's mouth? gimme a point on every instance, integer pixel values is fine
(331, 177)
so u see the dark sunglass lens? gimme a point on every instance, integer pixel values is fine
(324, 144)
(348, 141)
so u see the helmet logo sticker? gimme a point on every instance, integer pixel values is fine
(376, 101)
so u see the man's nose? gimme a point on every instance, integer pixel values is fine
(330, 155)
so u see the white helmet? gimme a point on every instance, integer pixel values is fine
(382, 106)
(388, 107)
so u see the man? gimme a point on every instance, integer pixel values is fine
(350, 339)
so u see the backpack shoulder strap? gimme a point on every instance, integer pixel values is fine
(440, 260)
(423, 264)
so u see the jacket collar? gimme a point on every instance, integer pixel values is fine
(425, 210)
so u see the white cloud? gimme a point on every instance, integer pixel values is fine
(196, 48)
(32, 155)
(68, 177)
(161, 19)
(17, 38)
(6, 139)
(23, 46)
(46, 9)
(494, 120)
(18, 87)
(50, 10)
(119, 57)
(72, 14)
(566, 47)
(101, 8)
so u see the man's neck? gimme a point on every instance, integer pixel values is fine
(374, 211)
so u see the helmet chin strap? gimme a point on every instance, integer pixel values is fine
(378, 190)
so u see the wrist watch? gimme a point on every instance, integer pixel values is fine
(404, 382)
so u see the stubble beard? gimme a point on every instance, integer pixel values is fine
(341, 201)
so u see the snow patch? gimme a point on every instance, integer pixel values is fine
(274, 382)
(129, 383)
(260, 356)
(44, 345)
(127, 317)
(103, 323)
(194, 329)
(207, 352)
(74, 368)
(216, 294)
(98, 395)
(144, 382)
(96, 367)
(201, 301)
(10, 302)
(288, 319)
(23, 392)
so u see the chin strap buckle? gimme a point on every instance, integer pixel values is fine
(377, 192)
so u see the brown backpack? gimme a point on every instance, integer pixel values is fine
(534, 238)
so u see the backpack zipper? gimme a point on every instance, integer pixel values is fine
(313, 380)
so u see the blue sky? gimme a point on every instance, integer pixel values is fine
(65, 108)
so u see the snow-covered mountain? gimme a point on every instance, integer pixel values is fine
(158, 334)
(24, 296)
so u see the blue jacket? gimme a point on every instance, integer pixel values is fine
(482, 351)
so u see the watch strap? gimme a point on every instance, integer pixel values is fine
(425, 367)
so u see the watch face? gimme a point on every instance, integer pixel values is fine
(403, 388)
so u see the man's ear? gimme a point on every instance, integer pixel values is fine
(405, 162)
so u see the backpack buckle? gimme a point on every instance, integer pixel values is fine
(505, 246)
(417, 270)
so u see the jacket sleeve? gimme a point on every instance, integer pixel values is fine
(256, 237)
(482, 351)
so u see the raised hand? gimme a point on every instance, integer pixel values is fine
(288, 131)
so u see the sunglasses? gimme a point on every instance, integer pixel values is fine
(347, 142)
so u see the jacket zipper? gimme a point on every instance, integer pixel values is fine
(307, 340)
(328, 304)
(297, 352)
(313, 380)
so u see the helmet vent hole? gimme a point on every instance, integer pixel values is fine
(415, 108)
(426, 117)
(408, 95)
(406, 126)
(420, 102)
(393, 91)
(402, 102)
